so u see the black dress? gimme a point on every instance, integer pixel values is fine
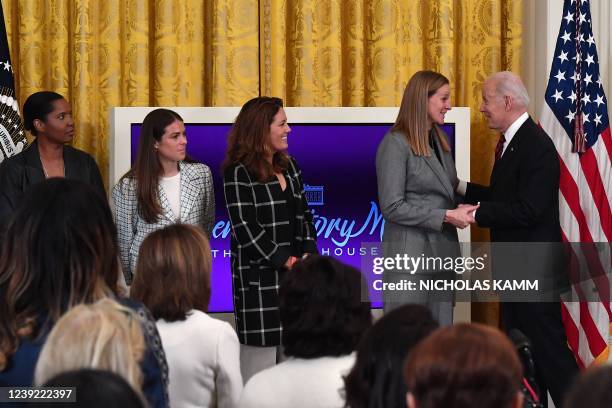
(268, 226)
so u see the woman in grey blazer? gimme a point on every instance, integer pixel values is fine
(163, 187)
(416, 182)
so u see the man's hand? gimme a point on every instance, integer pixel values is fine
(461, 216)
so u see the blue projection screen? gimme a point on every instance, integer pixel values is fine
(338, 167)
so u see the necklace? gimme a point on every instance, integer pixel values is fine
(45, 169)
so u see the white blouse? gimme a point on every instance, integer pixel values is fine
(203, 357)
(172, 188)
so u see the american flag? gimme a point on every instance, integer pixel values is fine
(12, 134)
(575, 116)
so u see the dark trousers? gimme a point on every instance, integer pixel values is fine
(554, 362)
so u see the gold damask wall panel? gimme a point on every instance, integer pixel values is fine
(223, 52)
(44, 39)
(234, 39)
(133, 53)
(308, 70)
(178, 53)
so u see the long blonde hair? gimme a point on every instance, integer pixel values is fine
(104, 335)
(412, 117)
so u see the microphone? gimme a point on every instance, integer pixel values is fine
(523, 348)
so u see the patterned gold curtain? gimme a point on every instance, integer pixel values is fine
(108, 53)
(222, 52)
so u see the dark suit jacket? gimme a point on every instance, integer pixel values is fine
(21, 171)
(521, 203)
(259, 216)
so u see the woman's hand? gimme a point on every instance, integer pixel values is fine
(461, 216)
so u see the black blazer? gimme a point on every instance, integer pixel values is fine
(259, 216)
(19, 172)
(521, 203)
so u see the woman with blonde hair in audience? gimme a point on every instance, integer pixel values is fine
(104, 335)
(60, 250)
(173, 280)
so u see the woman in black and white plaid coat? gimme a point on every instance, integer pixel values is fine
(271, 223)
(161, 188)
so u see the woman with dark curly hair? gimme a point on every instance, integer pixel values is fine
(376, 378)
(323, 317)
(464, 366)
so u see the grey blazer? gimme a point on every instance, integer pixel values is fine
(414, 193)
(197, 208)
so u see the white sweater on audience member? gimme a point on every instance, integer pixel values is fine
(299, 383)
(203, 357)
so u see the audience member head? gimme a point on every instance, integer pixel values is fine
(464, 366)
(258, 138)
(592, 388)
(162, 139)
(48, 113)
(321, 308)
(375, 380)
(59, 250)
(173, 272)
(426, 100)
(504, 99)
(104, 336)
(94, 389)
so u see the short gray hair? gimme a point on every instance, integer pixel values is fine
(509, 84)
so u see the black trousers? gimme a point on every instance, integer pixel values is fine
(554, 362)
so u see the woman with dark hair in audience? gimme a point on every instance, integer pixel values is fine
(376, 378)
(323, 318)
(163, 187)
(173, 281)
(60, 250)
(271, 225)
(48, 117)
(464, 366)
(96, 389)
(592, 389)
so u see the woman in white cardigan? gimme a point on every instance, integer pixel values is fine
(173, 280)
(163, 187)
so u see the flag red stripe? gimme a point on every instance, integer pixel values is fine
(571, 331)
(588, 162)
(596, 344)
(570, 192)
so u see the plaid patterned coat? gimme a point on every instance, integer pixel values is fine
(259, 216)
(197, 208)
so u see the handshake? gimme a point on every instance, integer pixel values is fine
(461, 216)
